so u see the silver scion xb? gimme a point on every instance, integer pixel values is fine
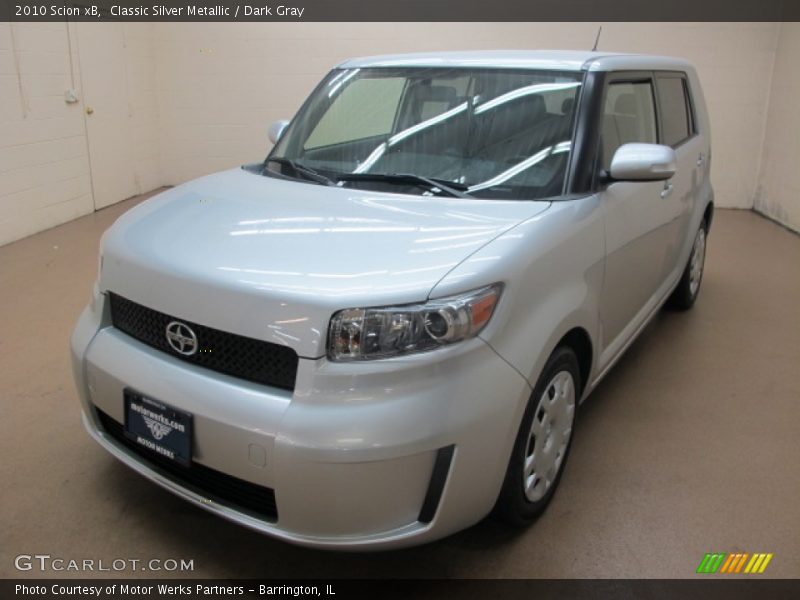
(382, 332)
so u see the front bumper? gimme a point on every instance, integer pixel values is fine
(361, 455)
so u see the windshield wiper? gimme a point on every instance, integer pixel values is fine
(451, 188)
(301, 169)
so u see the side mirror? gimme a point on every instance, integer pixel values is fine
(276, 130)
(643, 162)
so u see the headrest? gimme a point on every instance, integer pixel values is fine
(535, 104)
(434, 93)
(625, 104)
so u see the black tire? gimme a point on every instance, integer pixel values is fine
(683, 297)
(513, 504)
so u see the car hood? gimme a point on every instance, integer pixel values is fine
(273, 259)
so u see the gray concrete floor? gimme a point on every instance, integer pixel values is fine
(689, 446)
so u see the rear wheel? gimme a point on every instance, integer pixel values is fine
(543, 441)
(689, 286)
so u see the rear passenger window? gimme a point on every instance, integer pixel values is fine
(629, 117)
(675, 114)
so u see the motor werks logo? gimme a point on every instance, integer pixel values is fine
(733, 563)
(159, 430)
(159, 425)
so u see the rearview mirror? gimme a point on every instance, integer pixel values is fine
(276, 130)
(643, 162)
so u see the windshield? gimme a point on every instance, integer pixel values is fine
(491, 133)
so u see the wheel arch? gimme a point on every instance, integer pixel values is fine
(708, 214)
(579, 341)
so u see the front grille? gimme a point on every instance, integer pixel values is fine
(223, 489)
(235, 355)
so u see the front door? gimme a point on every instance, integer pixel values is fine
(637, 215)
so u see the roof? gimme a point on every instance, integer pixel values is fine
(562, 60)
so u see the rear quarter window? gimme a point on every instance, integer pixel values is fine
(675, 108)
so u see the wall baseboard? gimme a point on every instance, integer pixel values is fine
(786, 226)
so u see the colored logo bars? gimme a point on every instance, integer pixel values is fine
(720, 562)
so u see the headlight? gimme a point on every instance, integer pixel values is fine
(369, 333)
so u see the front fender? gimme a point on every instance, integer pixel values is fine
(552, 267)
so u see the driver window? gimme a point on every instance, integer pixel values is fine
(629, 116)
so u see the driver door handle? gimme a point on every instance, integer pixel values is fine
(667, 189)
(701, 160)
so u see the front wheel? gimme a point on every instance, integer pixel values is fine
(689, 286)
(543, 441)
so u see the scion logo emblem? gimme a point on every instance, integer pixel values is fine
(159, 430)
(181, 338)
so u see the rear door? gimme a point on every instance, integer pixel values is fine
(678, 130)
(638, 215)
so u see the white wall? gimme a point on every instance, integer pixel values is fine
(45, 175)
(778, 195)
(44, 165)
(202, 95)
(141, 63)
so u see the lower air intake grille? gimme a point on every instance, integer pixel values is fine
(224, 489)
(228, 353)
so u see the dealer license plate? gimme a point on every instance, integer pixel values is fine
(158, 427)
